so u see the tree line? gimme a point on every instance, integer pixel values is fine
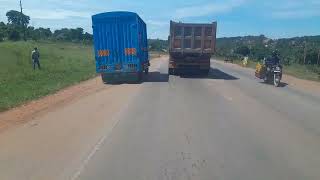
(158, 45)
(18, 28)
(297, 50)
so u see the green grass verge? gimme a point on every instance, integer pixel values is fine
(304, 72)
(63, 64)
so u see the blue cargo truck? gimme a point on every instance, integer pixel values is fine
(120, 45)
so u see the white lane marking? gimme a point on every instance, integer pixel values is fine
(93, 152)
(228, 98)
(116, 118)
(97, 146)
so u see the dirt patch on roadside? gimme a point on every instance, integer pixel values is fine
(302, 84)
(28, 111)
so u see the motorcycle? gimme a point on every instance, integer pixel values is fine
(273, 74)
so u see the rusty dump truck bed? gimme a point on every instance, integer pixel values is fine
(191, 47)
(192, 37)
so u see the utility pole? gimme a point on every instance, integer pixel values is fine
(20, 6)
(318, 57)
(305, 53)
(23, 28)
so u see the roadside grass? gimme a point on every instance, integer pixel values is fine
(307, 72)
(63, 64)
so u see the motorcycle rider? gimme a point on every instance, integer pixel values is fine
(273, 60)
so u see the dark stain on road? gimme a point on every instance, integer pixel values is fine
(213, 74)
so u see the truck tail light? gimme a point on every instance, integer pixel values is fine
(177, 43)
(103, 53)
(130, 51)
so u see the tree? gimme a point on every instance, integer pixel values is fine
(77, 34)
(14, 34)
(87, 38)
(69, 34)
(17, 22)
(1, 36)
(43, 33)
(291, 50)
(243, 50)
(3, 31)
(17, 18)
(157, 44)
(62, 34)
(29, 31)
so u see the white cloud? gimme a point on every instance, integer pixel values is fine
(157, 23)
(211, 8)
(158, 28)
(315, 2)
(55, 14)
(294, 9)
(295, 14)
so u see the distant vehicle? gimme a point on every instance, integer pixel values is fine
(191, 47)
(120, 45)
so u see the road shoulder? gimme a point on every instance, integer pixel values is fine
(302, 85)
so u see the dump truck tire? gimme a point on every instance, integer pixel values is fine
(205, 72)
(171, 71)
(104, 79)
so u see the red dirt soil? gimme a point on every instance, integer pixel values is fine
(30, 110)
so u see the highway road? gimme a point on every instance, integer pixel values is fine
(227, 126)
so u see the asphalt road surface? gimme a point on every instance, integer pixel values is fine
(227, 126)
(224, 126)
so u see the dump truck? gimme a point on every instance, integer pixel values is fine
(191, 46)
(120, 46)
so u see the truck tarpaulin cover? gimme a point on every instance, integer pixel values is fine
(120, 42)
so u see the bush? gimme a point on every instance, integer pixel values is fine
(243, 50)
(14, 35)
(1, 36)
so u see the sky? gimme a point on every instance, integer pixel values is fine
(273, 18)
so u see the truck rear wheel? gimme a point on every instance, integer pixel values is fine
(104, 79)
(140, 77)
(171, 71)
(205, 72)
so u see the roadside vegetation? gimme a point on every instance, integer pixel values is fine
(18, 28)
(300, 55)
(158, 45)
(66, 57)
(303, 72)
(63, 64)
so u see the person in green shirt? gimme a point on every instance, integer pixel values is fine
(35, 58)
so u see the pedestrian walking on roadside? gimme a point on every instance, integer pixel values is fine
(35, 58)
